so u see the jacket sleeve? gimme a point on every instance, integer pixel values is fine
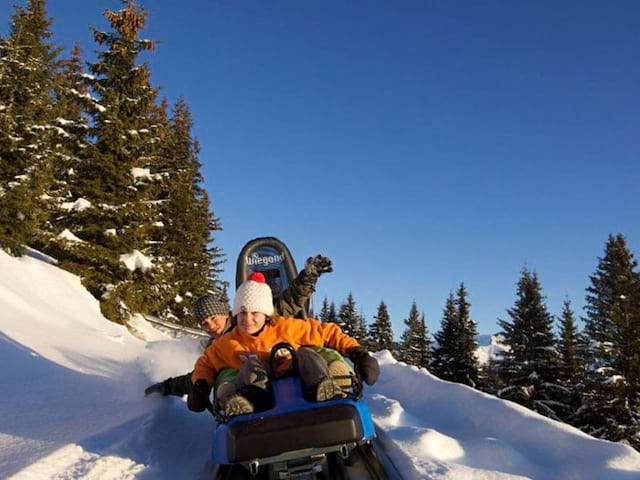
(204, 368)
(294, 299)
(333, 336)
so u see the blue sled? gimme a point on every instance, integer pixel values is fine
(293, 429)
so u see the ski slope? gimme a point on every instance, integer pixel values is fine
(72, 407)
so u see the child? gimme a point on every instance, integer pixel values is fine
(246, 350)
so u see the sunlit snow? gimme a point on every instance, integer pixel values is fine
(72, 404)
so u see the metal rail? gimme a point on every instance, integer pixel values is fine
(174, 328)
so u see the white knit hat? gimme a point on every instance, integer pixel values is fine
(254, 295)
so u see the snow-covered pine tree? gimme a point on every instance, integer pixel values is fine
(191, 266)
(28, 135)
(71, 97)
(530, 366)
(416, 344)
(348, 318)
(611, 404)
(117, 182)
(380, 332)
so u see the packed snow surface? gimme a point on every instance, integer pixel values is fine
(72, 405)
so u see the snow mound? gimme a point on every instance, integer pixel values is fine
(72, 405)
(446, 430)
(136, 260)
(79, 205)
(69, 236)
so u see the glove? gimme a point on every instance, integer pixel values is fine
(365, 365)
(316, 266)
(198, 398)
(160, 388)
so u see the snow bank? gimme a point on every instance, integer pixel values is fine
(446, 430)
(72, 405)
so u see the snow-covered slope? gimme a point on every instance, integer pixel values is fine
(72, 404)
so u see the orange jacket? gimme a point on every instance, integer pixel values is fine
(228, 350)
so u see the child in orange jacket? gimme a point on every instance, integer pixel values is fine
(244, 352)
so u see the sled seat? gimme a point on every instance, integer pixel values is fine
(315, 428)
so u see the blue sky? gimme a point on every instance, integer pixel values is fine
(419, 144)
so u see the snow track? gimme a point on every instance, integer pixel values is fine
(73, 462)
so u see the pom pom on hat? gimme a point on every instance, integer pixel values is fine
(257, 277)
(254, 295)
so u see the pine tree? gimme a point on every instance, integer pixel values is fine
(468, 367)
(360, 333)
(611, 403)
(416, 344)
(570, 347)
(332, 316)
(529, 368)
(183, 231)
(324, 311)
(117, 184)
(349, 319)
(447, 353)
(71, 100)
(28, 136)
(381, 333)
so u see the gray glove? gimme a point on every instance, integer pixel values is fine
(316, 266)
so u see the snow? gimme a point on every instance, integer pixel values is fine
(72, 405)
(490, 348)
(140, 172)
(136, 260)
(67, 235)
(77, 206)
(64, 121)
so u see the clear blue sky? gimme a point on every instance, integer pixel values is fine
(419, 144)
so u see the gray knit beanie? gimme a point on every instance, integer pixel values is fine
(208, 306)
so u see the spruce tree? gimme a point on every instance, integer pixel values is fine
(416, 344)
(530, 366)
(324, 311)
(71, 99)
(348, 318)
(28, 135)
(448, 350)
(117, 182)
(468, 363)
(570, 347)
(360, 333)
(190, 265)
(380, 332)
(611, 403)
(332, 316)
